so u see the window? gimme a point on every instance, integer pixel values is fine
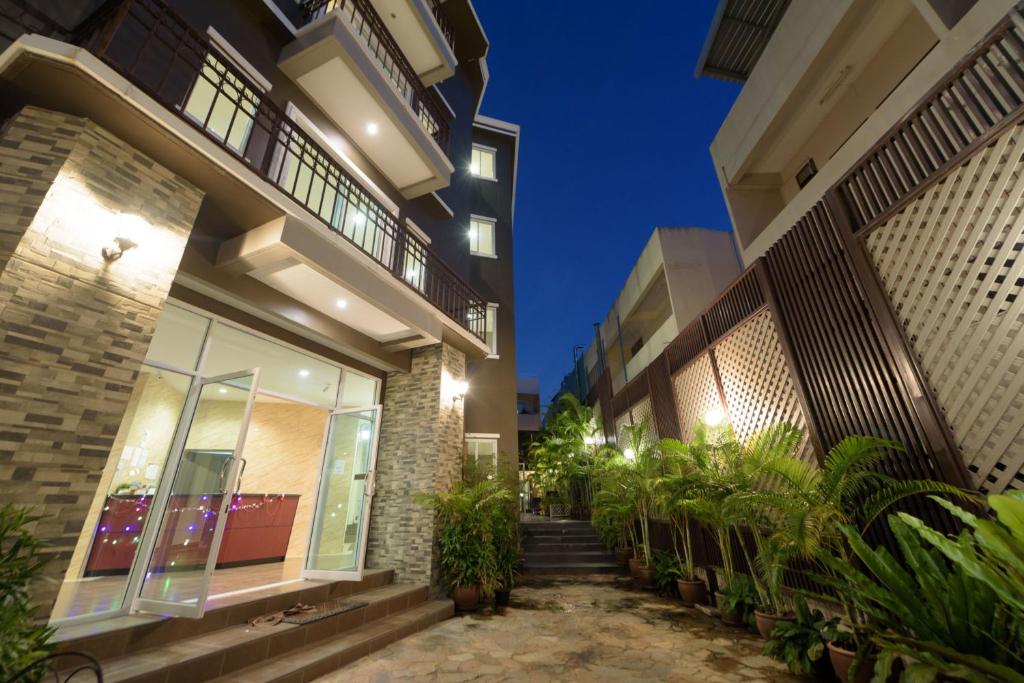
(491, 328)
(481, 236)
(481, 164)
(222, 104)
(482, 451)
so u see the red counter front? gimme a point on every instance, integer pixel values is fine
(257, 530)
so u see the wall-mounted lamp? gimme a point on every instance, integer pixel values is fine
(459, 390)
(117, 249)
(714, 417)
(128, 224)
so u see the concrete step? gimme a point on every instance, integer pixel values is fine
(543, 547)
(554, 537)
(310, 662)
(566, 557)
(578, 568)
(225, 651)
(111, 638)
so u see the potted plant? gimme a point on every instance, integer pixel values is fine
(505, 525)
(800, 644)
(643, 469)
(21, 564)
(737, 601)
(465, 538)
(679, 494)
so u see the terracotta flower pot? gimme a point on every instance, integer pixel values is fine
(622, 555)
(467, 598)
(842, 660)
(766, 623)
(634, 564)
(692, 592)
(732, 618)
(644, 578)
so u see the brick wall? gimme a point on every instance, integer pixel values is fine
(420, 450)
(74, 329)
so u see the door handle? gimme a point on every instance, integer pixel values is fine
(238, 482)
(371, 484)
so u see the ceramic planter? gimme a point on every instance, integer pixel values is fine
(842, 660)
(467, 598)
(766, 623)
(692, 592)
(644, 578)
(634, 564)
(728, 618)
(622, 555)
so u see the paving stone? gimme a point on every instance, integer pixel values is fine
(582, 628)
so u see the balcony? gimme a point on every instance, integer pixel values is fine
(423, 34)
(158, 52)
(348, 62)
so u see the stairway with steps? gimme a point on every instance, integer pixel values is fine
(565, 547)
(223, 646)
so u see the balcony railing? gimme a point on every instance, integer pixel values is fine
(155, 48)
(376, 37)
(442, 23)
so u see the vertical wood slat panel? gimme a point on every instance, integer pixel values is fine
(852, 382)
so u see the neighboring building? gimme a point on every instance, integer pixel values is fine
(529, 416)
(871, 167)
(257, 247)
(678, 273)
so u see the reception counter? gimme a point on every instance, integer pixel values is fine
(257, 531)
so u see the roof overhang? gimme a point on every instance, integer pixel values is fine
(740, 30)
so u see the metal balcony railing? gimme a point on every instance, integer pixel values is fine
(155, 48)
(442, 23)
(376, 37)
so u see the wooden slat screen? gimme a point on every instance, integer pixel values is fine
(738, 302)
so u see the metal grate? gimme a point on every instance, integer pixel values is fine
(755, 378)
(696, 393)
(951, 264)
(967, 107)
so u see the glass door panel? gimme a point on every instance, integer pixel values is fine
(337, 545)
(180, 555)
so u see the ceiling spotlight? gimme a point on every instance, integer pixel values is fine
(372, 128)
(222, 390)
(303, 373)
(341, 303)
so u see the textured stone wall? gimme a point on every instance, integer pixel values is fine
(74, 329)
(420, 450)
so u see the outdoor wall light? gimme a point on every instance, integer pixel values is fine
(714, 417)
(460, 389)
(127, 225)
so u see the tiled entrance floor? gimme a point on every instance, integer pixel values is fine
(592, 628)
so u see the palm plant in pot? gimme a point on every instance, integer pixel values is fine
(465, 537)
(679, 494)
(810, 505)
(612, 515)
(642, 473)
(505, 527)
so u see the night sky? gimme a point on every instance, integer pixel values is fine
(615, 136)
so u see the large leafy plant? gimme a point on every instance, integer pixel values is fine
(22, 640)
(642, 473)
(800, 644)
(947, 606)
(466, 532)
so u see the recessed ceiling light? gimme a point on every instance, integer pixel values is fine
(341, 303)
(222, 390)
(303, 373)
(372, 128)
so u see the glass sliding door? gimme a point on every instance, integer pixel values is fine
(179, 553)
(337, 546)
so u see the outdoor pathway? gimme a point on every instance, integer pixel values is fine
(580, 629)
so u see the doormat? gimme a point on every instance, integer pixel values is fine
(322, 611)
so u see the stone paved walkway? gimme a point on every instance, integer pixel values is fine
(574, 629)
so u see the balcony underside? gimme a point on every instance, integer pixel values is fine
(332, 66)
(387, 314)
(417, 33)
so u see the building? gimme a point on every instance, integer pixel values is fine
(255, 291)
(679, 272)
(528, 409)
(870, 165)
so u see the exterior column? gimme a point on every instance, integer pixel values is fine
(420, 451)
(74, 327)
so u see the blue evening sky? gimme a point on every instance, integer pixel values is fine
(615, 136)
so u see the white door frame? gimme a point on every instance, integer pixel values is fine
(160, 501)
(368, 491)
